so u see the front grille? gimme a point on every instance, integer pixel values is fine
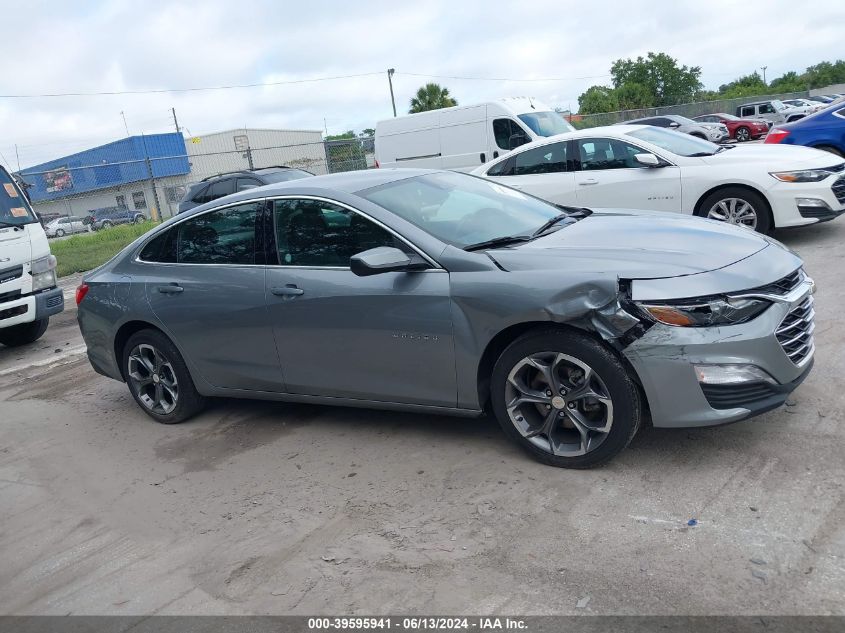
(9, 296)
(11, 312)
(8, 274)
(795, 333)
(737, 396)
(782, 286)
(838, 188)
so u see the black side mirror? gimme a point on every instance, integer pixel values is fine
(516, 140)
(382, 259)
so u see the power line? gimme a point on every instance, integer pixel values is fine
(503, 78)
(200, 89)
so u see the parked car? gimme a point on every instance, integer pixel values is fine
(65, 226)
(823, 130)
(110, 216)
(738, 129)
(808, 105)
(464, 137)
(773, 111)
(436, 291)
(823, 99)
(645, 167)
(29, 295)
(220, 185)
(715, 132)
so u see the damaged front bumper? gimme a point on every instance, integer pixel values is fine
(666, 359)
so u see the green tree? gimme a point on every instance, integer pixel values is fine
(367, 131)
(431, 97)
(745, 86)
(341, 137)
(825, 74)
(666, 81)
(788, 82)
(633, 96)
(598, 99)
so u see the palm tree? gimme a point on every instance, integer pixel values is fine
(431, 97)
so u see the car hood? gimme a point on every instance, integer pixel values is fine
(774, 156)
(635, 245)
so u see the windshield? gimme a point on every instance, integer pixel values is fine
(675, 142)
(284, 175)
(778, 105)
(14, 209)
(460, 209)
(546, 123)
(682, 120)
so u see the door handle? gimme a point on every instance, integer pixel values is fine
(483, 158)
(171, 289)
(287, 291)
(588, 181)
(495, 154)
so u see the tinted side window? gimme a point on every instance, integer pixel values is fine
(605, 153)
(541, 160)
(221, 188)
(247, 183)
(225, 236)
(747, 111)
(766, 108)
(503, 129)
(503, 168)
(315, 233)
(201, 196)
(162, 249)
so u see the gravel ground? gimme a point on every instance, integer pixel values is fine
(272, 508)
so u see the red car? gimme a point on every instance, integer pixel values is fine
(739, 129)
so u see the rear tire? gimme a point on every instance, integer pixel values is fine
(24, 333)
(565, 398)
(709, 208)
(158, 378)
(105, 225)
(60, 233)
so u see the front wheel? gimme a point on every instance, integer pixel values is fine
(24, 333)
(105, 225)
(742, 134)
(60, 233)
(159, 379)
(565, 398)
(738, 206)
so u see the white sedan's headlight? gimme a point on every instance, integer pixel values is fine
(43, 273)
(803, 175)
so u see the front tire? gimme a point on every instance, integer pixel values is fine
(105, 225)
(23, 334)
(742, 134)
(60, 233)
(158, 378)
(565, 398)
(738, 206)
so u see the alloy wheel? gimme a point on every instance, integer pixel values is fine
(742, 134)
(559, 403)
(734, 211)
(151, 376)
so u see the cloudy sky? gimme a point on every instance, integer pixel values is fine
(479, 49)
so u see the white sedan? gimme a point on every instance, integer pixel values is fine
(645, 167)
(64, 226)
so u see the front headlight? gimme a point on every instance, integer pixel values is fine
(804, 175)
(43, 273)
(725, 311)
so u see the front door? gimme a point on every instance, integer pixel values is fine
(386, 337)
(608, 176)
(207, 289)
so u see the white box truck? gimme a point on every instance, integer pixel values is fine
(28, 292)
(464, 137)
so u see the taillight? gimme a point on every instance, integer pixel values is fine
(81, 291)
(776, 135)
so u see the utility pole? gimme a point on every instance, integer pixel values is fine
(17, 156)
(764, 74)
(126, 127)
(390, 72)
(175, 122)
(155, 212)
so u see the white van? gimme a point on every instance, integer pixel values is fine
(28, 292)
(464, 137)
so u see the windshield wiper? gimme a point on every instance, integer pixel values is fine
(550, 224)
(499, 241)
(701, 154)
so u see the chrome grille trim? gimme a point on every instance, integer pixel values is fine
(795, 332)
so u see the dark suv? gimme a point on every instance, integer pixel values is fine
(221, 185)
(110, 216)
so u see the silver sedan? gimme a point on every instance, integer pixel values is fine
(441, 292)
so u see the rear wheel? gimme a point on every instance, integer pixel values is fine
(24, 333)
(738, 206)
(565, 399)
(742, 134)
(60, 233)
(159, 379)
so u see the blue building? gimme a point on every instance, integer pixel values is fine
(116, 174)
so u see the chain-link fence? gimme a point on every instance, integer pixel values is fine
(147, 175)
(685, 109)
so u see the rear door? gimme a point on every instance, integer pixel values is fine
(205, 283)
(608, 176)
(463, 138)
(543, 171)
